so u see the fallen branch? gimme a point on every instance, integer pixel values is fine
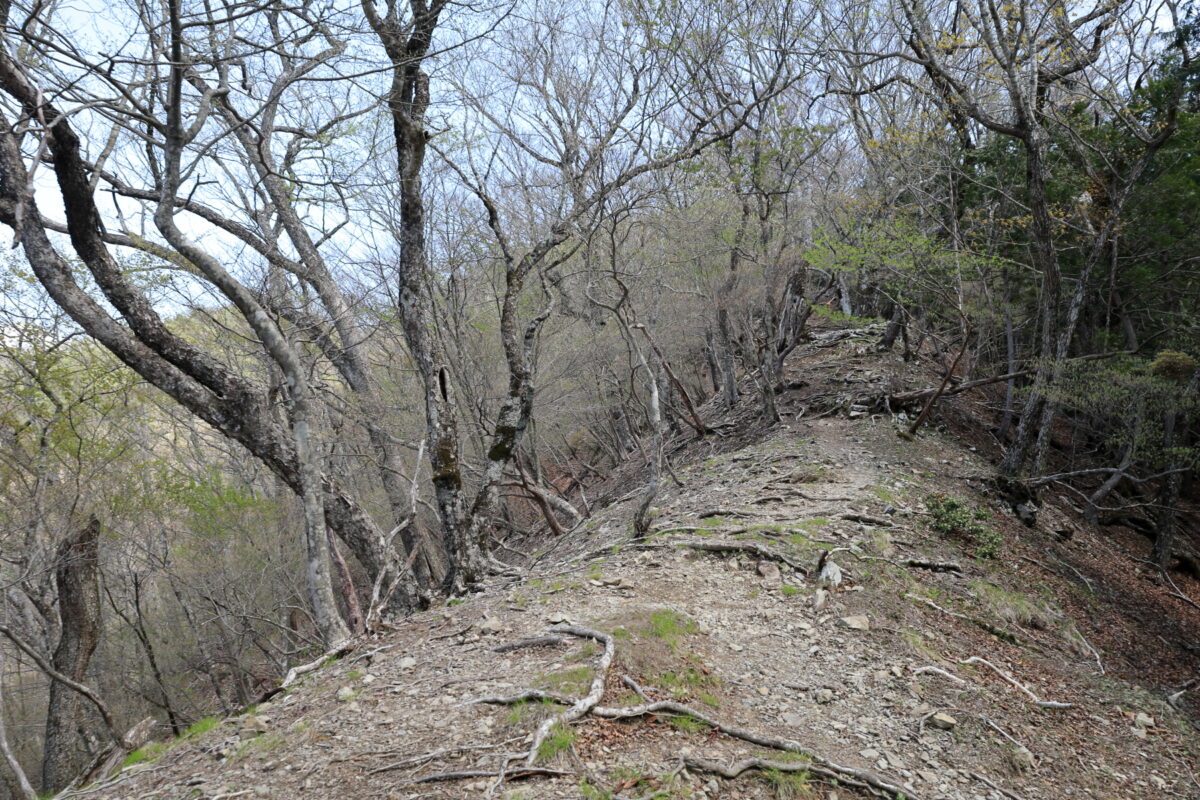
(723, 512)
(536, 641)
(371, 653)
(922, 394)
(1176, 592)
(811, 499)
(294, 673)
(866, 519)
(1016, 684)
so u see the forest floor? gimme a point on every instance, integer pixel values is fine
(877, 685)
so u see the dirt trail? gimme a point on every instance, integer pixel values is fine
(876, 682)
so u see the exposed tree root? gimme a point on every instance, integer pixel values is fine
(520, 697)
(867, 519)
(723, 512)
(463, 774)
(1016, 684)
(939, 671)
(736, 768)
(916, 563)
(586, 703)
(816, 765)
(590, 705)
(726, 546)
(998, 632)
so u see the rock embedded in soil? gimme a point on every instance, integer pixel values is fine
(857, 622)
(943, 720)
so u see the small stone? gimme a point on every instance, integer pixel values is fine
(824, 696)
(369, 679)
(764, 691)
(943, 720)
(490, 625)
(558, 618)
(254, 725)
(857, 622)
(346, 694)
(408, 662)
(820, 597)
(1143, 720)
(794, 720)
(769, 572)
(1021, 760)
(737, 648)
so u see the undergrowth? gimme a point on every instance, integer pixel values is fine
(954, 517)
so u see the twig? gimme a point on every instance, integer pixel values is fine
(1178, 593)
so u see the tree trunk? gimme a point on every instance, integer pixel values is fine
(728, 373)
(894, 326)
(1168, 492)
(68, 738)
(23, 786)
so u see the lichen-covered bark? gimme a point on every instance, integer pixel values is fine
(76, 577)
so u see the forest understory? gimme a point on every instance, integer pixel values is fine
(599, 398)
(709, 659)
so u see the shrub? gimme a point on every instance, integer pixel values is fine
(953, 517)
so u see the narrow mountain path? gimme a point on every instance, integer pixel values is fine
(928, 671)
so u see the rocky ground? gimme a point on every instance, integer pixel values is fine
(1042, 671)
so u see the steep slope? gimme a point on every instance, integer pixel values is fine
(1040, 672)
